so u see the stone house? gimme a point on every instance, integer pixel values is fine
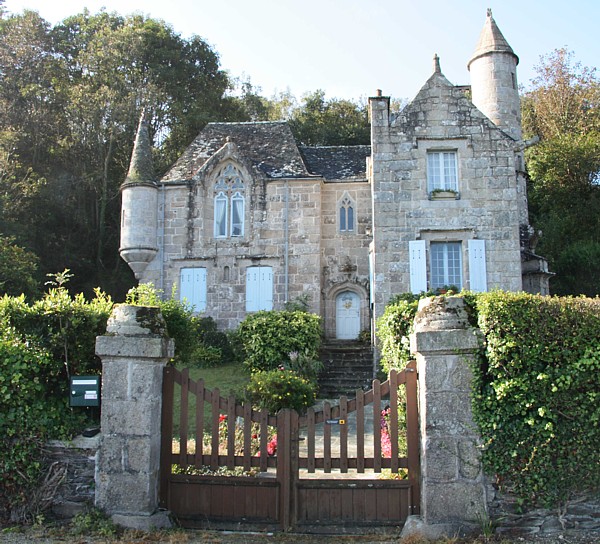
(248, 220)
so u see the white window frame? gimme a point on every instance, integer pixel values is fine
(229, 204)
(442, 170)
(451, 270)
(221, 208)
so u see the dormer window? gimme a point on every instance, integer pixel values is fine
(229, 203)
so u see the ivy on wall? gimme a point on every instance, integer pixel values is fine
(536, 388)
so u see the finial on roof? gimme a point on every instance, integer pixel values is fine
(436, 64)
(227, 139)
(489, 12)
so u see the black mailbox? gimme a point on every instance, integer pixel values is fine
(85, 391)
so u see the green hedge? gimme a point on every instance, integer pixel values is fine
(537, 393)
(268, 338)
(536, 388)
(40, 346)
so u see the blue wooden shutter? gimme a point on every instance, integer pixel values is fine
(477, 268)
(418, 266)
(259, 288)
(192, 288)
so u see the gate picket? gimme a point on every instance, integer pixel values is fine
(292, 498)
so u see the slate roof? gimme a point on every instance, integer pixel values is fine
(341, 163)
(269, 147)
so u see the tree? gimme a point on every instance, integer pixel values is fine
(70, 99)
(318, 121)
(563, 110)
(17, 270)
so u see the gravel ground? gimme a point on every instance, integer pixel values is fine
(50, 535)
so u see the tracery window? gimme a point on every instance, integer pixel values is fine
(346, 211)
(230, 203)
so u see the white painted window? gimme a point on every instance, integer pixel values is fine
(446, 264)
(442, 171)
(230, 203)
(192, 288)
(477, 266)
(346, 210)
(259, 288)
(221, 215)
(418, 266)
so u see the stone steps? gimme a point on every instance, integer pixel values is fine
(348, 366)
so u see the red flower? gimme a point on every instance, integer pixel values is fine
(222, 417)
(272, 446)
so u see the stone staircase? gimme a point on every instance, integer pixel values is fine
(348, 366)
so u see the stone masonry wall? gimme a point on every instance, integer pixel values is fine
(442, 118)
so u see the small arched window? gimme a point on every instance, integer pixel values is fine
(229, 211)
(346, 215)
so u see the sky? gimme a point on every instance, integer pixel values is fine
(351, 48)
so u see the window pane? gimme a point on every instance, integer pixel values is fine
(433, 171)
(442, 171)
(450, 171)
(350, 218)
(237, 215)
(220, 215)
(446, 264)
(342, 219)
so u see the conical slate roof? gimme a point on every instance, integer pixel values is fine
(491, 40)
(141, 169)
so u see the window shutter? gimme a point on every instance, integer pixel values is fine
(418, 266)
(192, 288)
(266, 288)
(259, 288)
(477, 268)
(252, 289)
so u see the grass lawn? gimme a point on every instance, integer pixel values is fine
(230, 379)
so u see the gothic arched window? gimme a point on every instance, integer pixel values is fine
(346, 214)
(229, 203)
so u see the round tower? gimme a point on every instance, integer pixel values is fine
(139, 211)
(494, 87)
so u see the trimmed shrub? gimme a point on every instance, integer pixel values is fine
(268, 338)
(280, 388)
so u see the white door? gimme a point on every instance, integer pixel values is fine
(347, 315)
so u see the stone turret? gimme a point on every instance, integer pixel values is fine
(494, 86)
(139, 211)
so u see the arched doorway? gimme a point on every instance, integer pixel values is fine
(347, 315)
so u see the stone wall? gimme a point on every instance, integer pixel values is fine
(76, 459)
(441, 118)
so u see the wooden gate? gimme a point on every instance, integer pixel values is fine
(351, 463)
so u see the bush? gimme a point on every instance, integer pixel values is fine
(537, 392)
(268, 338)
(33, 407)
(393, 329)
(280, 388)
(197, 340)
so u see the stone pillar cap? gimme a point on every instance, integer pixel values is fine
(441, 313)
(129, 320)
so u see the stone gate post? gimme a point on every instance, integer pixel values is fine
(134, 351)
(453, 492)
